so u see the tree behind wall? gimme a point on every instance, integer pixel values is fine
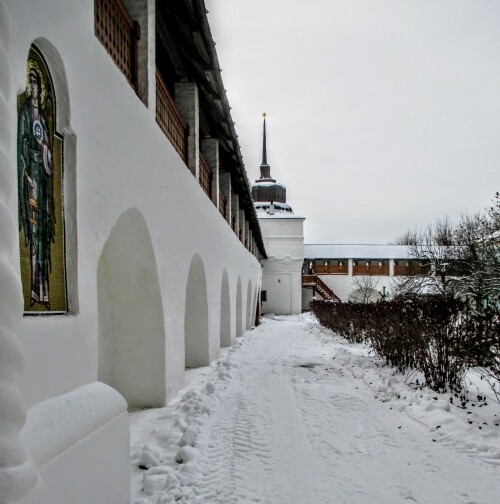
(463, 259)
(365, 290)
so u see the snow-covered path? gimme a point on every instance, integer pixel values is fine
(288, 418)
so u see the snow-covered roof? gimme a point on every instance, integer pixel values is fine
(267, 183)
(264, 205)
(261, 214)
(355, 251)
(281, 210)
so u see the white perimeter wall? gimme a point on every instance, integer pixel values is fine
(139, 229)
(345, 285)
(126, 170)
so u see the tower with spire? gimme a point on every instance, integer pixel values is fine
(283, 235)
(268, 195)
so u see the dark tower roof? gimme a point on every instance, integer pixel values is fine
(266, 190)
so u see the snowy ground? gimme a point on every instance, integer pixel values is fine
(294, 414)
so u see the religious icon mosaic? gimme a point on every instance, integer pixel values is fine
(40, 189)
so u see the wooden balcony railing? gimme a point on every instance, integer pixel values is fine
(119, 35)
(205, 177)
(450, 268)
(169, 119)
(331, 269)
(370, 270)
(222, 205)
(411, 269)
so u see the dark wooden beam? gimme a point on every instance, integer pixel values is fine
(171, 48)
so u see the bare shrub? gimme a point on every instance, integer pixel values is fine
(436, 335)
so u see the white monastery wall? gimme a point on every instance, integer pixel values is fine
(18, 472)
(344, 285)
(138, 228)
(125, 168)
(348, 286)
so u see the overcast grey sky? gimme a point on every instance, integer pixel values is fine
(382, 115)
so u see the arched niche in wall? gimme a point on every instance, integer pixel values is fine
(196, 316)
(46, 169)
(225, 312)
(249, 304)
(239, 309)
(131, 321)
(257, 307)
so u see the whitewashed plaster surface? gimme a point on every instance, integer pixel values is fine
(126, 173)
(138, 225)
(282, 271)
(18, 473)
(345, 286)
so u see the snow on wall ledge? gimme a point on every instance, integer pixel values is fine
(54, 425)
(17, 471)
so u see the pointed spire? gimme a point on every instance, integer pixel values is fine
(264, 151)
(265, 169)
(266, 192)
